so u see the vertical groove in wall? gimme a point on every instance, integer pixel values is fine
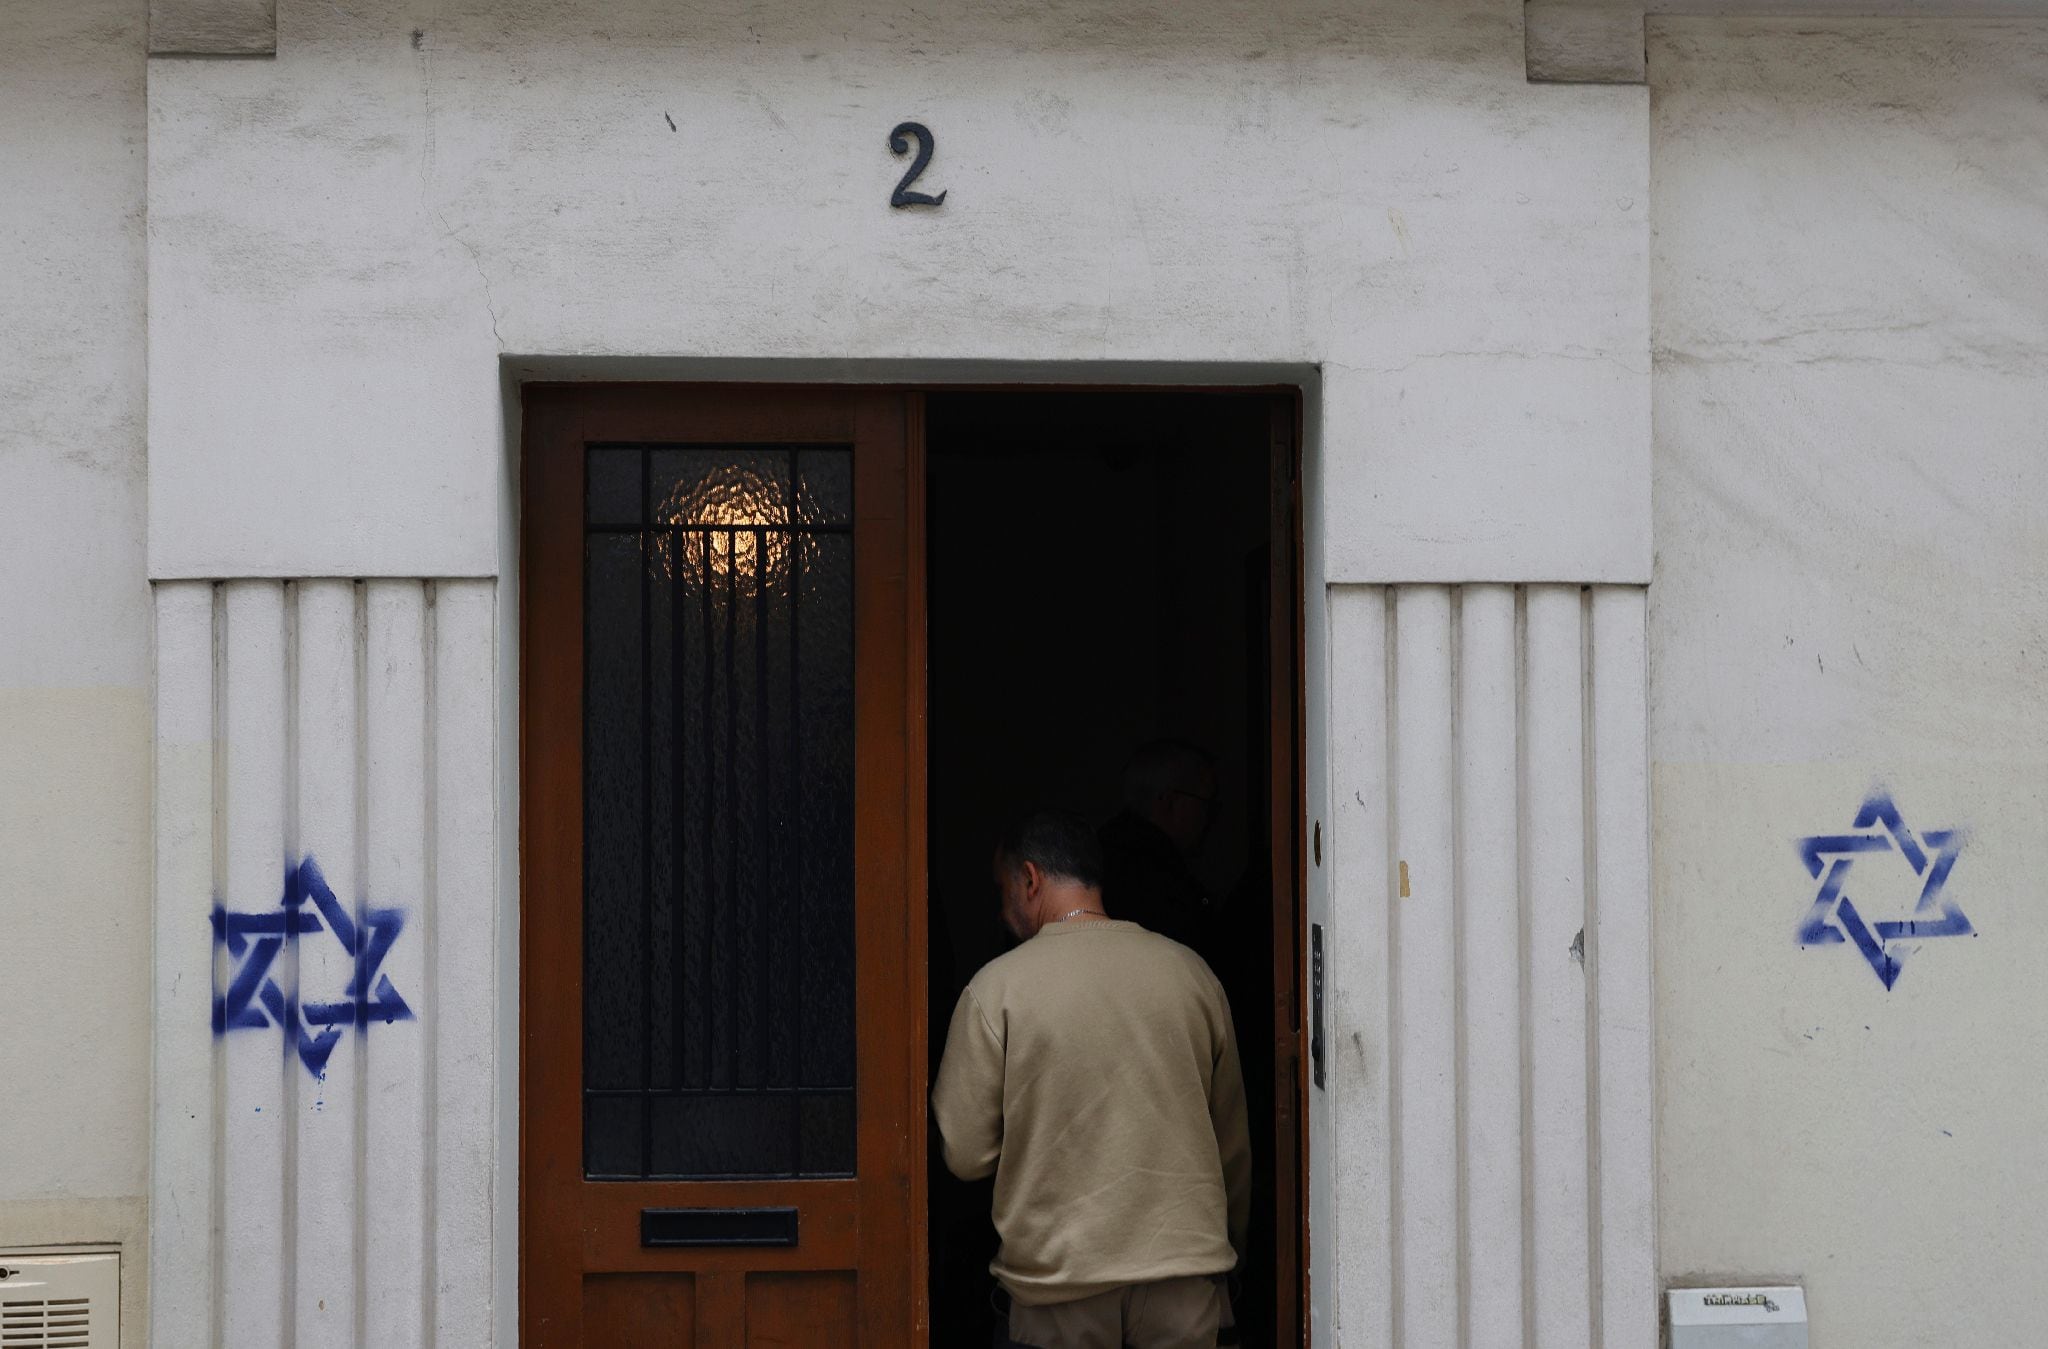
(183, 1192)
(393, 1078)
(325, 789)
(1357, 1257)
(1555, 961)
(1461, 1023)
(1425, 956)
(253, 1277)
(430, 938)
(288, 966)
(1589, 852)
(216, 977)
(1396, 1065)
(1628, 1288)
(465, 960)
(1525, 1043)
(1489, 955)
(326, 840)
(358, 1041)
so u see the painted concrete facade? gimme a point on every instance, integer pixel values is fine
(1776, 320)
(1852, 591)
(74, 637)
(344, 239)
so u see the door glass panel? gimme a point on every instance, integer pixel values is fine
(718, 962)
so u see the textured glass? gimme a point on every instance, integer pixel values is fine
(718, 831)
(664, 750)
(614, 1130)
(614, 476)
(824, 919)
(614, 815)
(728, 1134)
(824, 487)
(825, 1133)
(721, 487)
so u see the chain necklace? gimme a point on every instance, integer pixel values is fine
(1076, 913)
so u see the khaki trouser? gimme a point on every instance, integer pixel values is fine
(1169, 1314)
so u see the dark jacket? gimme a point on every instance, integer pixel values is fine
(1146, 881)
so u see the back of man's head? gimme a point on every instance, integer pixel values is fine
(1059, 843)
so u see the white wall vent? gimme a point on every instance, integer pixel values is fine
(57, 1301)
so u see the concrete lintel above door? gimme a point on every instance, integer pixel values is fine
(1583, 41)
(1601, 41)
(213, 27)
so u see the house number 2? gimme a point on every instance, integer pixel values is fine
(899, 145)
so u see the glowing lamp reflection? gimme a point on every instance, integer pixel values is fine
(718, 515)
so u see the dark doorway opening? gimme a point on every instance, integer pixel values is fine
(1100, 574)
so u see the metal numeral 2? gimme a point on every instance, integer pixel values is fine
(899, 144)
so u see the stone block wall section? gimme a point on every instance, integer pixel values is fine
(326, 936)
(1492, 1042)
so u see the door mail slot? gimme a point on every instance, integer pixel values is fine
(718, 1227)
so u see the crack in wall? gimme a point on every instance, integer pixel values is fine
(425, 48)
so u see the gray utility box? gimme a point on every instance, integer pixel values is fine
(1738, 1318)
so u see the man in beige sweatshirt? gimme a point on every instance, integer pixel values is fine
(1094, 1072)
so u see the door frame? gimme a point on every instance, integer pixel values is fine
(1289, 798)
(1287, 691)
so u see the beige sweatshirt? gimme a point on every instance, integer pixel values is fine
(1094, 1071)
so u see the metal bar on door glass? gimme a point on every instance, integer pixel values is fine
(680, 855)
(707, 1029)
(795, 945)
(732, 813)
(646, 815)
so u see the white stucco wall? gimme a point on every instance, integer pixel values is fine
(1850, 322)
(344, 239)
(74, 634)
(1851, 333)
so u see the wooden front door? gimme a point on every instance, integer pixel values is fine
(722, 1094)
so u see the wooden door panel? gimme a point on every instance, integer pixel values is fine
(640, 1311)
(802, 1311)
(710, 1084)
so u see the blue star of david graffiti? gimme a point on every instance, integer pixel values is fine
(254, 1001)
(1833, 916)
